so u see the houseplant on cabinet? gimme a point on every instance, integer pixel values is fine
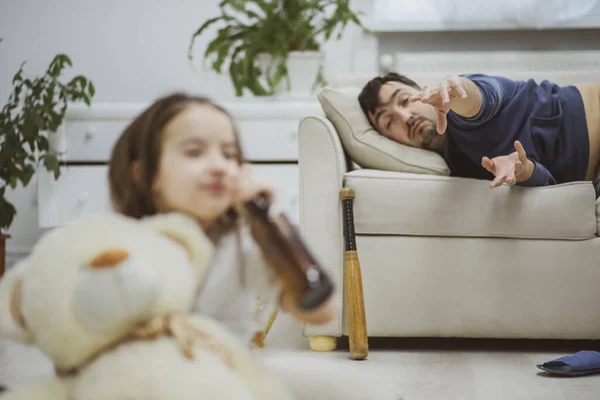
(35, 109)
(274, 46)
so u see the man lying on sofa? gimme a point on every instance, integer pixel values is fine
(493, 128)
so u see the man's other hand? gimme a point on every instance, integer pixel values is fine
(513, 168)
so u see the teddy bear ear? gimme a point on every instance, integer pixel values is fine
(186, 232)
(12, 322)
(113, 290)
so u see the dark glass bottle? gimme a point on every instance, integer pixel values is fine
(286, 252)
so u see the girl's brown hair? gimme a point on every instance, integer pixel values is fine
(141, 144)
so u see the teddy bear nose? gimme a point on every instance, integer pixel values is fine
(109, 259)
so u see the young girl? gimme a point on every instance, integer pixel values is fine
(183, 154)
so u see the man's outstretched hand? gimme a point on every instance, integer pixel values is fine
(440, 96)
(513, 168)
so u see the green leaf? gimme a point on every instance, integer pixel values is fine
(51, 162)
(77, 83)
(58, 64)
(7, 213)
(55, 121)
(49, 95)
(91, 89)
(13, 181)
(43, 144)
(19, 75)
(66, 60)
(39, 121)
(29, 128)
(199, 31)
(27, 173)
(235, 4)
(233, 72)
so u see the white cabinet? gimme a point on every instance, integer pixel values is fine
(286, 181)
(83, 189)
(79, 190)
(268, 131)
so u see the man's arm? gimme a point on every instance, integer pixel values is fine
(539, 177)
(471, 105)
(492, 92)
(467, 101)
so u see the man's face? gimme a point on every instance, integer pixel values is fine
(409, 123)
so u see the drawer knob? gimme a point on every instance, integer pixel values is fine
(89, 135)
(83, 198)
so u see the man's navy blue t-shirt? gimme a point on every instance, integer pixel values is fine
(549, 120)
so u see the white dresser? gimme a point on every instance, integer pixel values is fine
(268, 130)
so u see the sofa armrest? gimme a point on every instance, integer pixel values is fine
(322, 165)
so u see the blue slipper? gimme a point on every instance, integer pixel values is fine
(581, 363)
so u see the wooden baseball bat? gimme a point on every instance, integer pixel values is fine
(353, 291)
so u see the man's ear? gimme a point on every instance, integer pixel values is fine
(12, 322)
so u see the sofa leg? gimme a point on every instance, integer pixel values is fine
(322, 343)
(353, 291)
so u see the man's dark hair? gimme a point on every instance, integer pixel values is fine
(369, 95)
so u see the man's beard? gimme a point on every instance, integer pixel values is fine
(430, 139)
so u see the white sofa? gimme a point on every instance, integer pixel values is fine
(448, 257)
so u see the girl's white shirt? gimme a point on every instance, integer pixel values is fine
(230, 291)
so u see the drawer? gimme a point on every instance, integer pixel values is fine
(84, 189)
(269, 140)
(261, 140)
(79, 190)
(91, 141)
(268, 130)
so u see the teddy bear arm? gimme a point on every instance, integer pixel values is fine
(262, 382)
(45, 389)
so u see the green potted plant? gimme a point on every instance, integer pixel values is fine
(35, 109)
(274, 46)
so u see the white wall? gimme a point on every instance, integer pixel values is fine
(133, 50)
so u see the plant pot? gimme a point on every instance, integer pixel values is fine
(3, 238)
(303, 68)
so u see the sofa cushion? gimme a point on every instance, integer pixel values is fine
(393, 203)
(367, 147)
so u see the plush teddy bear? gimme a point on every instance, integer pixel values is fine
(107, 299)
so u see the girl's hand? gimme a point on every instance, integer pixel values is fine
(249, 186)
(324, 314)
